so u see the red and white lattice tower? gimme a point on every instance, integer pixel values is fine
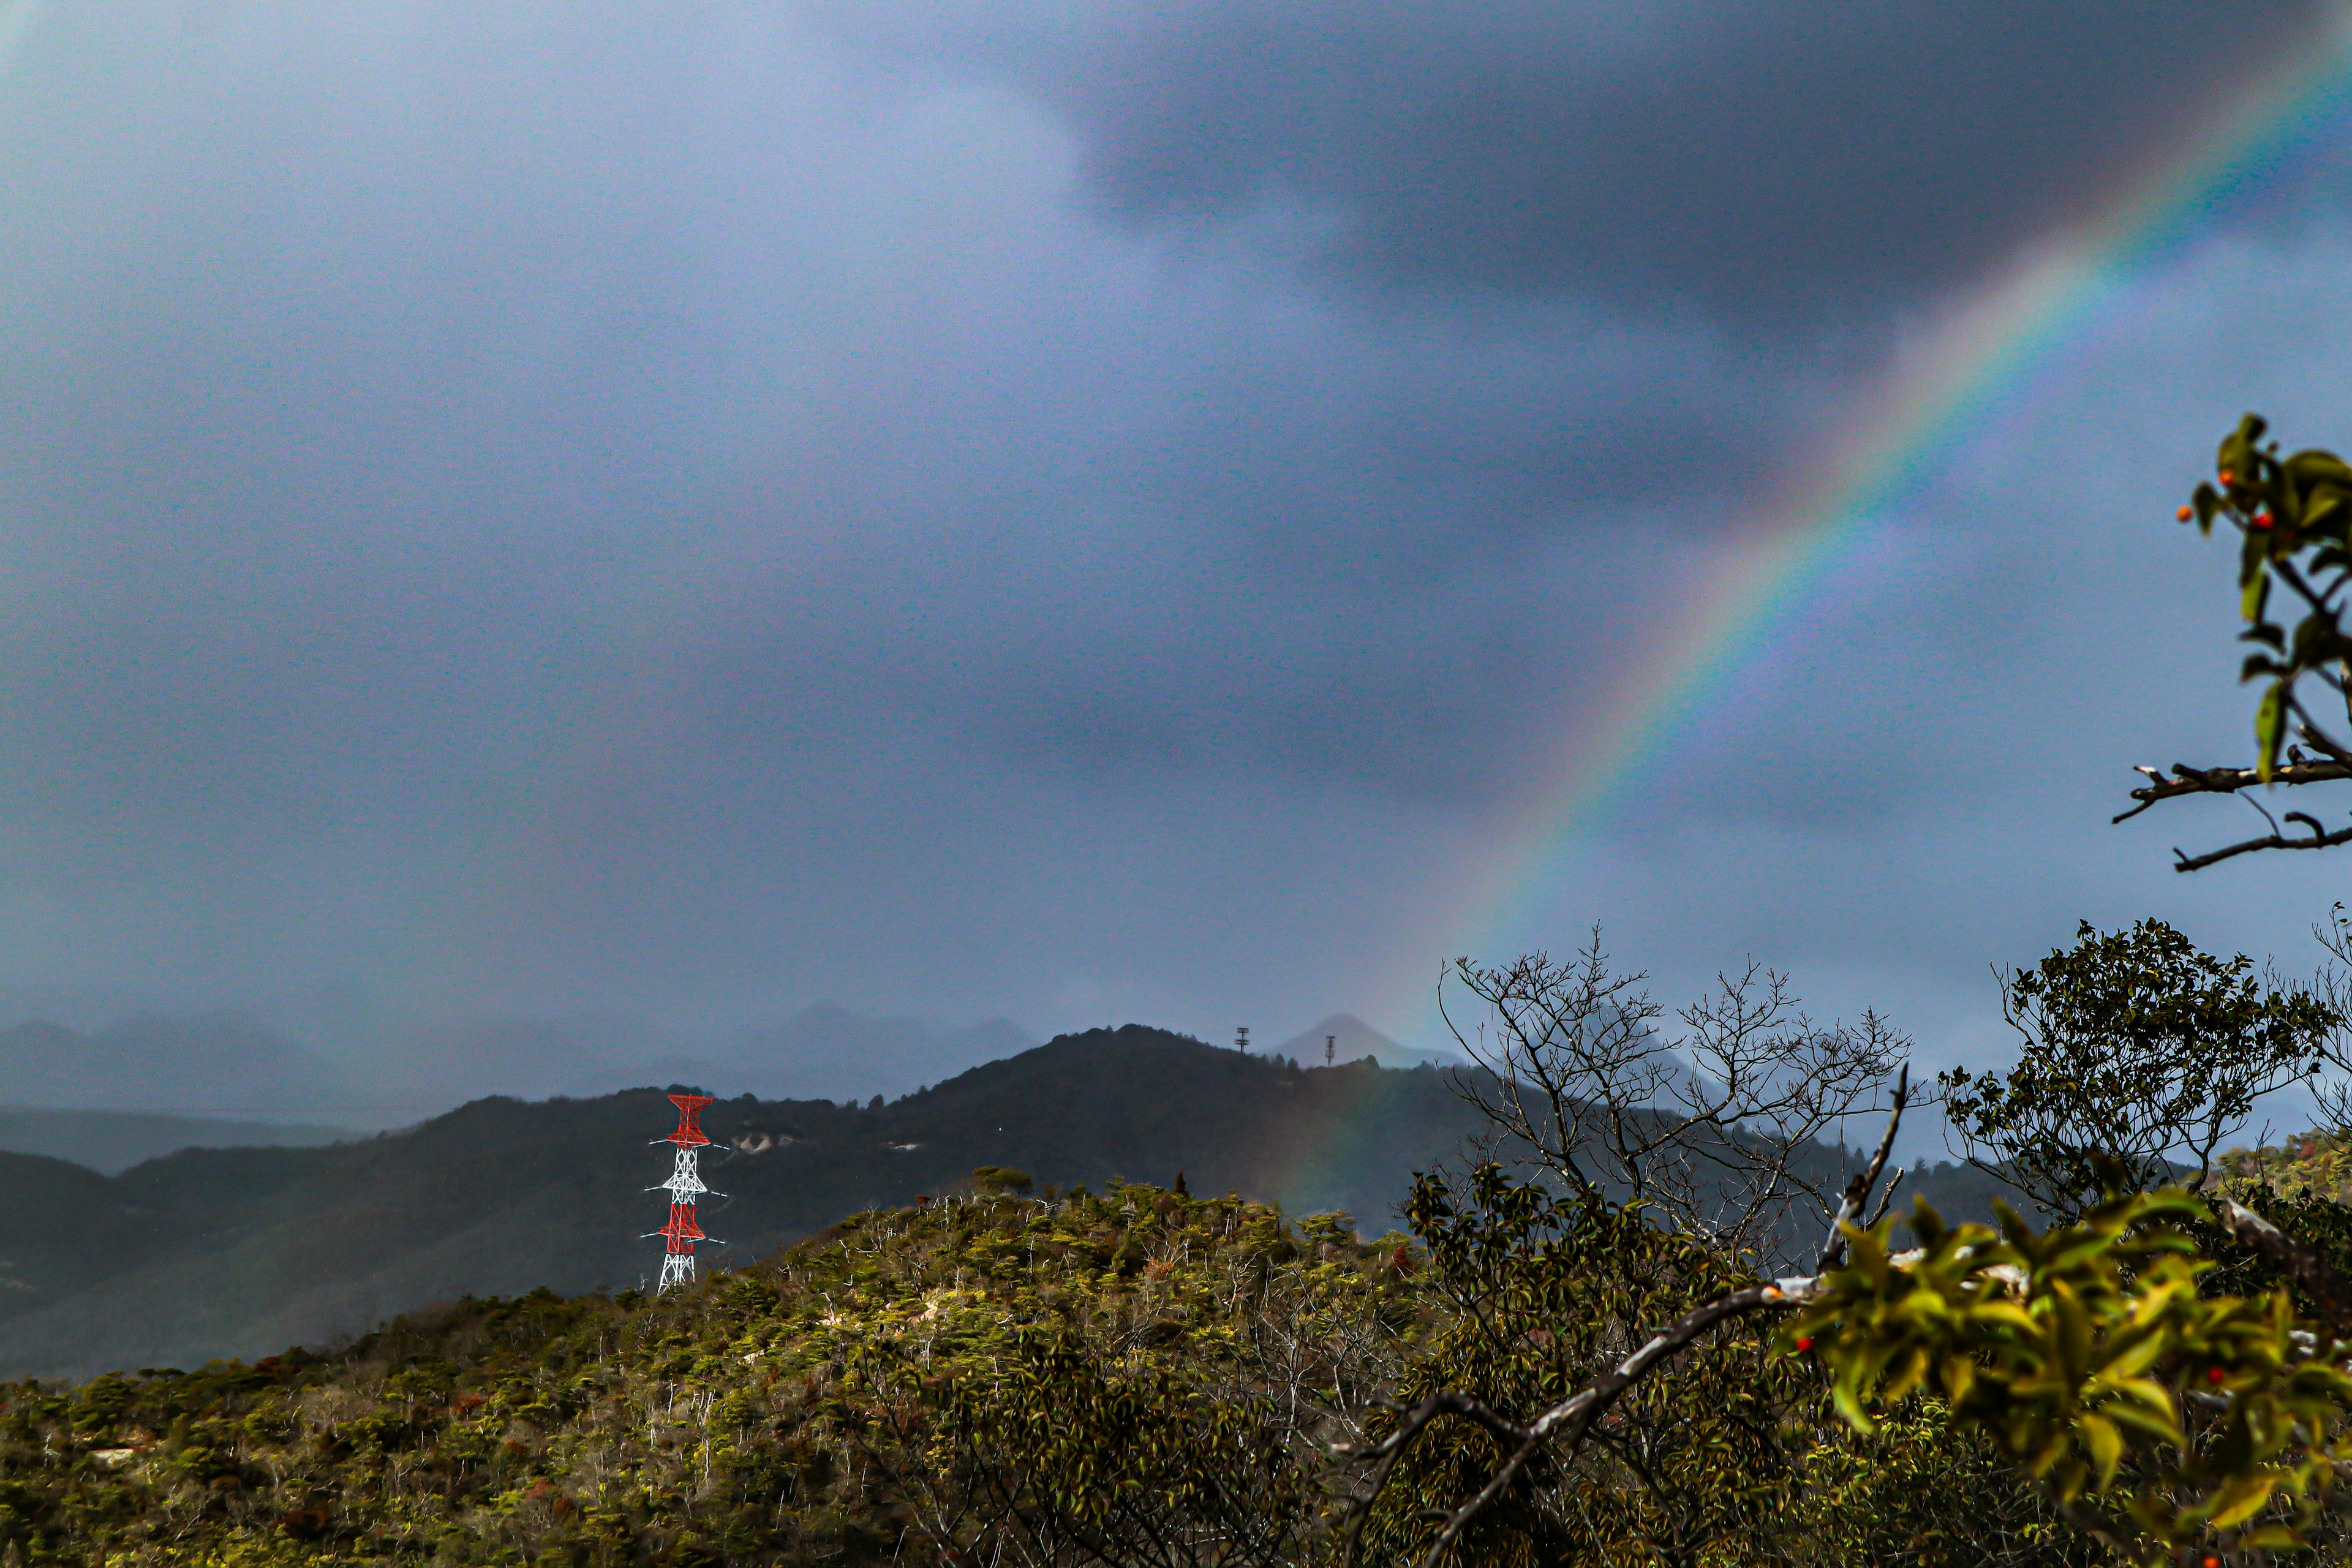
(684, 1186)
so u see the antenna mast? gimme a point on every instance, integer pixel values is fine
(684, 1186)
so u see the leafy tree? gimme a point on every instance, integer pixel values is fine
(2140, 1054)
(2161, 1417)
(1001, 1181)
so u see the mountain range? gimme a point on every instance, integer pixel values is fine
(150, 1082)
(243, 1252)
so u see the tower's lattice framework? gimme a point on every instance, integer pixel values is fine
(684, 1186)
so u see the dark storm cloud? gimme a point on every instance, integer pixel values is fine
(549, 507)
(1813, 162)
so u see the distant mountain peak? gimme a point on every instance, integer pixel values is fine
(1352, 1040)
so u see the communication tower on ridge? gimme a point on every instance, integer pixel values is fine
(684, 1186)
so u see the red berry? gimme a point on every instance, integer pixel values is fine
(2185, 513)
(1804, 1342)
(2211, 1561)
(2228, 477)
(2261, 520)
(2214, 1375)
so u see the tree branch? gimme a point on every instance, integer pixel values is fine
(1857, 1191)
(2310, 1272)
(1445, 1402)
(2313, 735)
(1570, 1420)
(2186, 780)
(1572, 1417)
(2317, 840)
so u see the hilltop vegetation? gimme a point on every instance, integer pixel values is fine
(817, 1406)
(1134, 1375)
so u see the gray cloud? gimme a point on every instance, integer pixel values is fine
(1817, 163)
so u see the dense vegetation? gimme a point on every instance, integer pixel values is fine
(1131, 1376)
(902, 1384)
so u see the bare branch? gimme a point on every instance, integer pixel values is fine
(1886, 1199)
(2315, 736)
(2317, 840)
(1720, 1126)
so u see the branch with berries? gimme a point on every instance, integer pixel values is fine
(2293, 519)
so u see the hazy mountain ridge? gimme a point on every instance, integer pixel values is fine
(826, 1051)
(212, 1062)
(112, 1142)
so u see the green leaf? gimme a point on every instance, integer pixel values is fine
(2208, 502)
(2313, 467)
(2269, 1538)
(2240, 1501)
(1960, 1376)
(2270, 730)
(2106, 1442)
(1913, 1372)
(2314, 640)
(2256, 594)
(1845, 1394)
(2324, 504)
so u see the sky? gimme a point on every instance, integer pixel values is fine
(1085, 512)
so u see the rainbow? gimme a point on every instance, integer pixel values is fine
(1953, 378)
